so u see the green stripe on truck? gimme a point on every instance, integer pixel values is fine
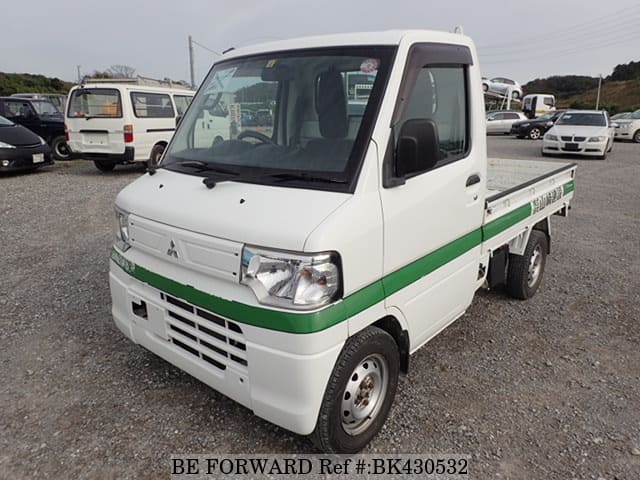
(310, 322)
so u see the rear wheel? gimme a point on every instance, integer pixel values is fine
(636, 136)
(359, 393)
(524, 273)
(156, 155)
(535, 133)
(60, 149)
(104, 165)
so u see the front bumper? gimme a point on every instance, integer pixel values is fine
(16, 159)
(623, 134)
(280, 376)
(584, 148)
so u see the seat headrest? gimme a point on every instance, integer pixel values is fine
(332, 105)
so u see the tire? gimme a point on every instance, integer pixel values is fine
(60, 149)
(368, 365)
(485, 87)
(636, 136)
(104, 165)
(535, 133)
(156, 155)
(524, 273)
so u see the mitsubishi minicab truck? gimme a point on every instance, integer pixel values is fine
(295, 267)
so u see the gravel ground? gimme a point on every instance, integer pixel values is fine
(544, 389)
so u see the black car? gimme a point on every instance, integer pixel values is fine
(535, 128)
(21, 149)
(41, 117)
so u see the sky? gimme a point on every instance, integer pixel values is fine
(515, 39)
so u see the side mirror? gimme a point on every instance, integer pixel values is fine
(418, 148)
(615, 125)
(490, 119)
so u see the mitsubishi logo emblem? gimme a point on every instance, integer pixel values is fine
(171, 251)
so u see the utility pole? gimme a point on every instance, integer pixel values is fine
(193, 77)
(598, 98)
(79, 77)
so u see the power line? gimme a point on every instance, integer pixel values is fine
(563, 31)
(563, 53)
(631, 26)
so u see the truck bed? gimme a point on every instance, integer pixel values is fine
(522, 192)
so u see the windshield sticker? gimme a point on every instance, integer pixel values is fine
(369, 65)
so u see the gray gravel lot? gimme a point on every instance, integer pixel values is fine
(544, 389)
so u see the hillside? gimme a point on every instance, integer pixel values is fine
(28, 83)
(614, 97)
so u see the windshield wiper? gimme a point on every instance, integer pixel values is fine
(306, 176)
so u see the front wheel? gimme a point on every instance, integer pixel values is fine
(156, 155)
(104, 165)
(636, 136)
(60, 149)
(535, 133)
(524, 274)
(359, 393)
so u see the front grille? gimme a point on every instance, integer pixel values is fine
(213, 339)
(566, 139)
(573, 139)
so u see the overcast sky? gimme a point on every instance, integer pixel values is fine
(522, 40)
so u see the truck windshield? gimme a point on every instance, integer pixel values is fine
(45, 107)
(303, 118)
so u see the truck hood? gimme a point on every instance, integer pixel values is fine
(262, 215)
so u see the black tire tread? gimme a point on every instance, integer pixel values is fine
(321, 436)
(517, 272)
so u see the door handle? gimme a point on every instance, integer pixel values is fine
(472, 180)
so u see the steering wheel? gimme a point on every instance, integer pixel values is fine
(253, 134)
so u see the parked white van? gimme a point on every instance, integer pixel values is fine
(536, 104)
(113, 123)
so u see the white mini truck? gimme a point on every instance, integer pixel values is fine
(296, 269)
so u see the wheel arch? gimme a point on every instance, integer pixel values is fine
(392, 326)
(544, 226)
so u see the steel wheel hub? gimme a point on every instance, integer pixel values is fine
(535, 266)
(364, 394)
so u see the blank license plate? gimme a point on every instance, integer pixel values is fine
(37, 158)
(571, 146)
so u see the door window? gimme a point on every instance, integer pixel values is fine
(152, 105)
(17, 108)
(182, 102)
(440, 94)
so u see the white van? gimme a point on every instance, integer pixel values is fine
(536, 104)
(112, 123)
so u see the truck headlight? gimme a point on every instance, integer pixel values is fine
(297, 281)
(552, 138)
(597, 139)
(121, 230)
